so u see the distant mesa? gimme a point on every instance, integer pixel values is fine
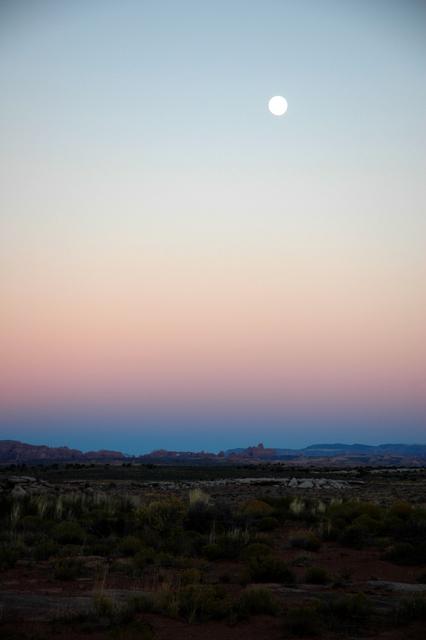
(15, 452)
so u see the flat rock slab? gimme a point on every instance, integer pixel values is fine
(406, 587)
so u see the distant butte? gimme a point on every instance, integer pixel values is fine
(15, 452)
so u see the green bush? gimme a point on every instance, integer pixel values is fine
(255, 550)
(256, 509)
(270, 569)
(354, 536)
(302, 621)
(401, 509)
(144, 557)
(226, 547)
(31, 523)
(268, 524)
(162, 517)
(104, 606)
(199, 603)
(69, 533)
(190, 576)
(9, 556)
(193, 543)
(406, 553)
(346, 613)
(142, 604)
(308, 542)
(45, 550)
(411, 610)
(68, 569)
(200, 517)
(316, 575)
(129, 546)
(99, 547)
(257, 601)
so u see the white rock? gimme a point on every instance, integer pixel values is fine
(21, 479)
(18, 492)
(306, 484)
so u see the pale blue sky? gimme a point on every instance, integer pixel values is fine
(137, 131)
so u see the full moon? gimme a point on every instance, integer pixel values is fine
(277, 105)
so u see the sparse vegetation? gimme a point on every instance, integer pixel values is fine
(196, 557)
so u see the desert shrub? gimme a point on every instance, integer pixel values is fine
(354, 524)
(143, 603)
(163, 559)
(257, 601)
(144, 557)
(344, 615)
(344, 514)
(406, 553)
(354, 536)
(9, 556)
(316, 575)
(347, 613)
(45, 550)
(212, 551)
(224, 517)
(99, 547)
(255, 550)
(302, 621)
(69, 550)
(104, 607)
(193, 543)
(409, 528)
(280, 507)
(269, 569)
(371, 525)
(161, 525)
(297, 508)
(195, 603)
(411, 609)
(101, 523)
(68, 569)
(162, 516)
(267, 524)
(256, 509)
(113, 617)
(31, 523)
(227, 546)
(198, 603)
(129, 546)
(190, 576)
(69, 533)
(401, 510)
(198, 496)
(308, 542)
(199, 517)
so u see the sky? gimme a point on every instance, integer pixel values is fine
(179, 268)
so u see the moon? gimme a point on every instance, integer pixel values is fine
(278, 105)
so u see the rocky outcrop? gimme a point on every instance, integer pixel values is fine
(15, 452)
